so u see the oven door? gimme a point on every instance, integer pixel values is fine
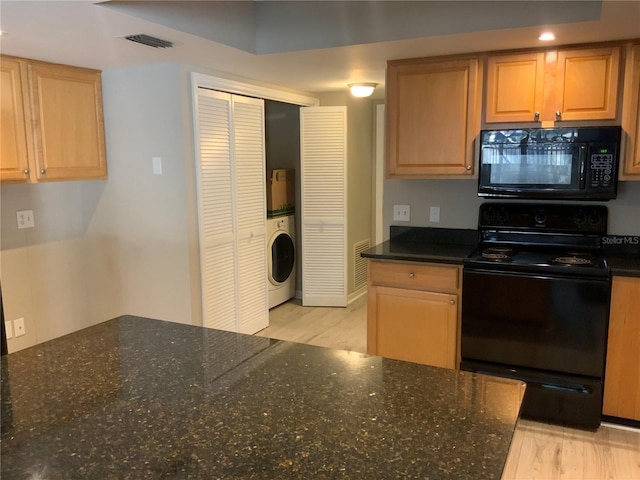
(545, 322)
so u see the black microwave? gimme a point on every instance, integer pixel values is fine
(572, 163)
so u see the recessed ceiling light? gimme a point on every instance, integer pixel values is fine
(546, 36)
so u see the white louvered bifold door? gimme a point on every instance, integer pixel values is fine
(231, 211)
(250, 210)
(323, 139)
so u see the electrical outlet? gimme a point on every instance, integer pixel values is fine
(8, 328)
(434, 214)
(18, 327)
(401, 213)
(25, 219)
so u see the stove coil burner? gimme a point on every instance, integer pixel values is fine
(503, 250)
(497, 254)
(499, 257)
(572, 261)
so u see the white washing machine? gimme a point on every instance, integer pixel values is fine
(281, 254)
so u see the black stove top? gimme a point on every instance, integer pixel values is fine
(562, 261)
(558, 239)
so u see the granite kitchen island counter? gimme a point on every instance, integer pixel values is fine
(142, 399)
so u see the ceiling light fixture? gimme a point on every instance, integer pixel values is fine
(362, 89)
(546, 36)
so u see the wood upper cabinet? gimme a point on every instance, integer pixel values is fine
(433, 117)
(630, 168)
(63, 121)
(515, 87)
(413, 311)
(555, 85)
(622, 376)
(14, 162)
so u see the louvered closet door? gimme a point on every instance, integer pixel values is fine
(323, 138)
(230, 154)
(250, 209)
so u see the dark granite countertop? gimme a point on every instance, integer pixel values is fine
(623, 254)
(143, 399)
(424, 244)
(442, 245)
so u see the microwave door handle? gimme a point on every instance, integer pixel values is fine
(581, 159)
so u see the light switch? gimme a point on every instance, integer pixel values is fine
(157, 165)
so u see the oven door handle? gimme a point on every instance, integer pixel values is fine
(497, 270)
(567, 387)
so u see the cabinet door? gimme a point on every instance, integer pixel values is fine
(250, 210)
(622, 376)
(515, 88)
(587, 83)
(432, 117)
(68, 122)
(323, 167)
(14, 159)
(413, 325)
(630, 169)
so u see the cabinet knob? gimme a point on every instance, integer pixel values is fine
(536, 117)
(468, 167)
(412, 275)
(26, 171)
(452, 302)
(558, 116)
(43, 171)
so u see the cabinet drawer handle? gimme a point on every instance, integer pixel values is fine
(43, 171)
(412, 275)
(468, 167)
(452, 302)
(26, 171)
(558, 116)
(536, 117)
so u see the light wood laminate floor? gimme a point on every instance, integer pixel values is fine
(538, 451)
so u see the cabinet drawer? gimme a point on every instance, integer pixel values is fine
(414, 276)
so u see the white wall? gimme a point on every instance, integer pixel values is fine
(104, 248)
(147, 213)
(61, 275)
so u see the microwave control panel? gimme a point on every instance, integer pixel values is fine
(601, 168)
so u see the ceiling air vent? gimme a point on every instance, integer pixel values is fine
(149, 40)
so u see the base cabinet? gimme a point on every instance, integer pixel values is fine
(413, 311)
(622, 376)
